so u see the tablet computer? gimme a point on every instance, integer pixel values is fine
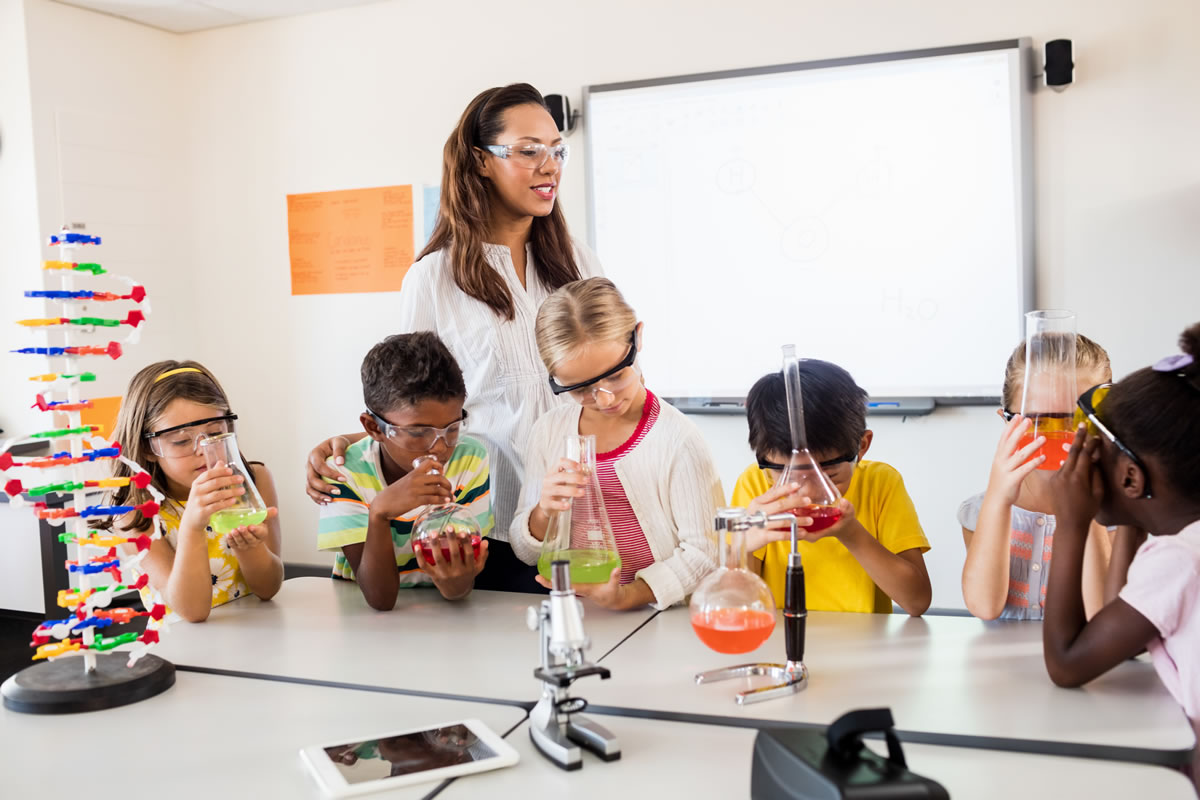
(402, 758)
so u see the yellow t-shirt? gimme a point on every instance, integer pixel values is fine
(834, 580)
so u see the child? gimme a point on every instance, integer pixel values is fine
(660, 486)
(1009, 529)
(414, 393)
(169, 407)
(874, 554)
(1136, 462)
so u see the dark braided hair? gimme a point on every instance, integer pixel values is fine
(1157, 414)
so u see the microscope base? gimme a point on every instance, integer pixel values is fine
(562, 738)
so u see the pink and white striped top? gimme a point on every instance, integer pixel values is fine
(631, 540)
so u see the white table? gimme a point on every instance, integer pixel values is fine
(212, 737)
(321, 630)
(948, 680)
(678, 759)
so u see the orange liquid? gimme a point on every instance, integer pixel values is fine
(1053, 448)
(822, 516)
(427, 549)
(733, 630)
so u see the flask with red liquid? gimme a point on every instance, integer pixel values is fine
(1049, 392)
(802, 468)
(446, 526)
(732, 609)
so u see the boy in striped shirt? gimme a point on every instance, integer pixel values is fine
(414, 394)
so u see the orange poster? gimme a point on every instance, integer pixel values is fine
(358, 240)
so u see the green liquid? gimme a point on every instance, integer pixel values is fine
(224, 521)
(587, 566)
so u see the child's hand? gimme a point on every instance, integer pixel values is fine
(610, 594)
(846, 523)
(247, 537)
(212, 490)
(563, 484)
(423, 485)
(1010, 466)
(776, 500)
(454, 578)
(1078, 486)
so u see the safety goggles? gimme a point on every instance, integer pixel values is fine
(531, 155)
(1089, 405)
(181, 441)
(420, 437)
(612, 382)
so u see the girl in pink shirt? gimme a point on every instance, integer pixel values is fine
(1136, 461)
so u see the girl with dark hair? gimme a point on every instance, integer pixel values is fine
(499, 248)
(1135, 462)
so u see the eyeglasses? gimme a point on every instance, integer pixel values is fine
(420, 437)
(181, 441)
(531, 155)
(849, 458)
(617, 379)
(1089, 404)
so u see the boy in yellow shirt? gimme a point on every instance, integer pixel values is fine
(874, 554)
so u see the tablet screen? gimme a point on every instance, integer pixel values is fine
(407, 753)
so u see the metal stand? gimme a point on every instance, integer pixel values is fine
(555, 724)
(791, 677)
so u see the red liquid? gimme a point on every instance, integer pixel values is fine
(1052, 449)
(427, 549)
(733, 630)
(822, 516)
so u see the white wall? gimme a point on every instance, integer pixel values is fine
(19, 252)
(366, 96)
(107, 121)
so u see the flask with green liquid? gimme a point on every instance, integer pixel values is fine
(222, 450)
(581, 534)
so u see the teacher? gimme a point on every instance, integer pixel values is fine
(499, 248)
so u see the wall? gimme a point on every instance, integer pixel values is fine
(19, 250)
(366, 96)
(107, 121)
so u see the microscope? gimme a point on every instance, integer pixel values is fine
(792, 676)
(555, 724)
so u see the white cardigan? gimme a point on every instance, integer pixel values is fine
(672, 485)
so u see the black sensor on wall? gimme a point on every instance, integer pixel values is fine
(1060, 68)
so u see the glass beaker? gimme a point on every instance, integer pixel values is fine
(1049, 393)
(581, 533)
(732, 609)
(443, 526)
(222, 449)
(802, 468)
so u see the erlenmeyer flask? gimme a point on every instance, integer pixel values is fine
(249, 508)
(1049, 394)
(732, 609)
(802, 468)
(443, 526)
(581, 534)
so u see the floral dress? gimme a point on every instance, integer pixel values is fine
(228, 583)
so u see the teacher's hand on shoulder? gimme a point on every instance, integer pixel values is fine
(319, 490)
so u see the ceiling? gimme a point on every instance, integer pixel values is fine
(186, 16)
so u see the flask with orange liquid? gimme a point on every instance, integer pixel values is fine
(732, 610)
(802, 468)
(1049, 393)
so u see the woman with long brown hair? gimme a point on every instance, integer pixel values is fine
(499, 248)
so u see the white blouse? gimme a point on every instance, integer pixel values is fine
(672, 485)
(507, 385)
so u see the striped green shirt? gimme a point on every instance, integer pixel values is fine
(344, 520)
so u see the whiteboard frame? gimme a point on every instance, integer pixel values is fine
(1024, 200)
